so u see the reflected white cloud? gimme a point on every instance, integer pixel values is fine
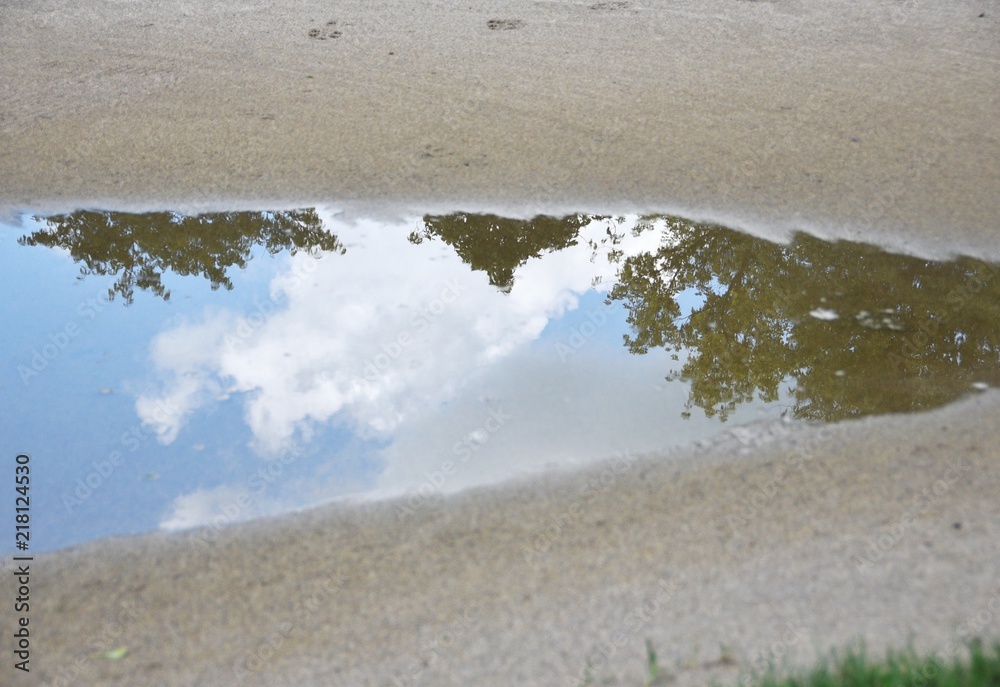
(204, 505)
(189, 356)
(386, 332)
(404, 342)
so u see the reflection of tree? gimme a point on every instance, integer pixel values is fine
(140, 248)
(909, 334)
(499, 246)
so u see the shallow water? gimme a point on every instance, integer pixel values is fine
(167, 371)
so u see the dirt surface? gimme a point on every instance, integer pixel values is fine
(766, 544)
(874, 121)
(867, 120)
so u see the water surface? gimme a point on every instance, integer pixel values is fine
(167, 371)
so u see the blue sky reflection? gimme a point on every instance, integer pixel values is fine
(319, 376)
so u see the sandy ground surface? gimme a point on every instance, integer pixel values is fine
(873, 121)
(768, 543)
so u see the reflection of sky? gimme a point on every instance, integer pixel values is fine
(368, 374)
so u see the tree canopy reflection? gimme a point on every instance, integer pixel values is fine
(847, 328)
(497, 245)
(139, 248)
(908, 334)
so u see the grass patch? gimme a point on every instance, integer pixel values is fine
(981, 668)
(978, 666)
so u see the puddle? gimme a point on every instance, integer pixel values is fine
(167, 371)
